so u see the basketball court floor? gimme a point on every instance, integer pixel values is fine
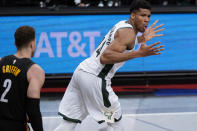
(140, 113)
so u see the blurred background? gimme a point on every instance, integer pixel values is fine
(93, 3)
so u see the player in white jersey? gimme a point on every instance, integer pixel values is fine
(89, 91)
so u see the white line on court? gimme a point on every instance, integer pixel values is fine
(151, 114)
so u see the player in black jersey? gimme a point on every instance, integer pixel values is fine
(20, 83)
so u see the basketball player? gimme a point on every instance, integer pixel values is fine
(89, 91)
(20, 84)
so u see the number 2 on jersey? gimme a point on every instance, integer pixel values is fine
(7, 84)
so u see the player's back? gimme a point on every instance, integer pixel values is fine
(13, 90)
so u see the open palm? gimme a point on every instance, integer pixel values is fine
(152, 30)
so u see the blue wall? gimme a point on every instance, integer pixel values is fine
(64, 41)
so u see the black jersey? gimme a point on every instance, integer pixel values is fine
(13, 88)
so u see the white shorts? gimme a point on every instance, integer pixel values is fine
(88, 94)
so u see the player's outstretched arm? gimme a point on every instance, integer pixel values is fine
(151, 32)
(124, 38)
(36, 78)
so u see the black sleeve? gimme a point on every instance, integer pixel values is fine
(34, 114)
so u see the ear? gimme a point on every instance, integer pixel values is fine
(32, 44)
(132, 16)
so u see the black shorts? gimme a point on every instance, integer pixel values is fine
(7, 125)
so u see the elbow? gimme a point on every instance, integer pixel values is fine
(106, 59)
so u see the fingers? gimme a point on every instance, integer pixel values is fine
(156, 43)
(158, 26)
(150, 50)
(156, 31)
(154, 24)
(157, 50)
(157, 53)
(159, 30)
(158, 47)
(158, 35)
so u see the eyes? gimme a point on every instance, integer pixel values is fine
(145, 15)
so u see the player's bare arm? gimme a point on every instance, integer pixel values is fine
(151, 32)
(124, 38)
(36, 77)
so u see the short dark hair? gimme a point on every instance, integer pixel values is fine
(23, 36)
(137, 4)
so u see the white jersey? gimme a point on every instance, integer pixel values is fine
(92, 64)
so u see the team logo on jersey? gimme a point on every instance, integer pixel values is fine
(14, 61)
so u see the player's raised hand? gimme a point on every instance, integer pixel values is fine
(148, 50)
(152, 30)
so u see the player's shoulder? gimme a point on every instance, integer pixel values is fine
(126, 33)
(36, 69)
(124, 24)
(4, 58)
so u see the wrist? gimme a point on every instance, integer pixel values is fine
(138, 53)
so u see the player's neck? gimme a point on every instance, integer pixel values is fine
(24, 53)
(134, 27)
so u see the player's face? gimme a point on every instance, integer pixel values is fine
(141, 19)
